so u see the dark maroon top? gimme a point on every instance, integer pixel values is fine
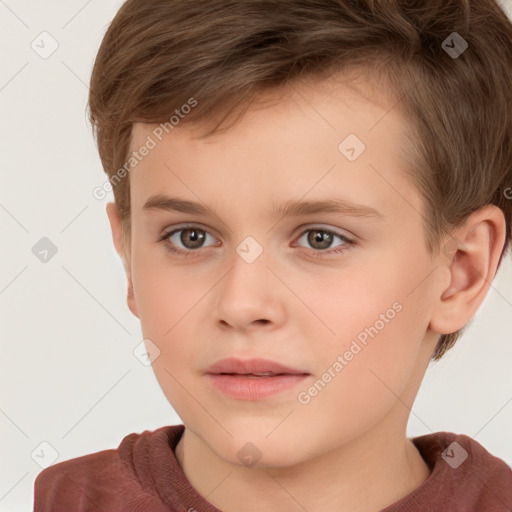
(143, 475)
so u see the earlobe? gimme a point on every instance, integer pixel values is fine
(471, 256)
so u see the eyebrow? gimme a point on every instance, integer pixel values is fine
(287, 209)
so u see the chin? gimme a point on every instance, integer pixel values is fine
(256, 451)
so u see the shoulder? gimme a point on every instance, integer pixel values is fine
(457, 449)
(465, 473)
(67, 483)
(490, 476)
(98, 481)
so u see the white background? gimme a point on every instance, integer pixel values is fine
(68, 376)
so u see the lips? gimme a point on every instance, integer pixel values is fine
(255, 367)
(253, 379)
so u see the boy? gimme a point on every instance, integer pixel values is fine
(344, 172)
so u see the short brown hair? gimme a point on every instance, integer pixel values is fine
(158, 54)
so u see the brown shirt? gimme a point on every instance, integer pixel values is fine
(143, 475)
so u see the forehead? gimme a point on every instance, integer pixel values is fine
(316, 140)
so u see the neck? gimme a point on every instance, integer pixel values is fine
(365, 475)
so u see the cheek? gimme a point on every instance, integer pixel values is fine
(374, 323)
(165, 300)
(166, 297)
(348, 302)
(359, 383)
(164, 291)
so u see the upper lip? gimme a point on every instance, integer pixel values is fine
(240, 366)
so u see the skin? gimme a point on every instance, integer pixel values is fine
(347, 448)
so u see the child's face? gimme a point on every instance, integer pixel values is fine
(287, 305)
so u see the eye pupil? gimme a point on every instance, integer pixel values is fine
(319, 236)
(196, 236)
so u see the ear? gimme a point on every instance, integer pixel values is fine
(116, 227)
(471, 256)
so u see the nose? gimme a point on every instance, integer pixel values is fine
(249, 296)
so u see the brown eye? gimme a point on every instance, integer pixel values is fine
(186, 240)
(192, 238)
(321, 239)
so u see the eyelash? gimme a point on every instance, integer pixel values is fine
(315, 253)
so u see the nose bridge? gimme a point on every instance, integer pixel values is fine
(250, 250)
(247, 292)
(248, 265)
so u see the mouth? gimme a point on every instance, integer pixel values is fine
(254, 387)
(253, 379)
(254, 367)
(268, 374)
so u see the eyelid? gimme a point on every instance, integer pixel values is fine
(337, 231)
(187, 225)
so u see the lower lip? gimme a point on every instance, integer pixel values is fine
(254, 388)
